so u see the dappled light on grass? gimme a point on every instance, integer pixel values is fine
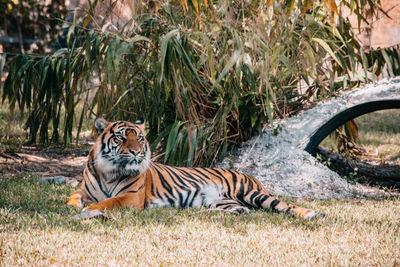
(37, 229)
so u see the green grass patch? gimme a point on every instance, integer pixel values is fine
(11, 123)
(379, 134)
(36, 229)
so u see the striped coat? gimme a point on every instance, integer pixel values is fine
(120, 173)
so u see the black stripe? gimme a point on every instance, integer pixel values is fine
(180, 197)
(260, 200)
(274, 203)
(103, 144)
(255, 193)
(194, 197)
(250, 183)
(192, 178)
(127, 186)
(171, 201)
(181, 186)
(93, 171)
(222, 179)
(120, 179)
(234, 181)
(201, 176)
(218, 173)
(172, 173)
(153, 190)
(240, 194)
(164, 182)
(91, 184)
(157, 193)
(135, 191)
(169, 192)
(185, 203)
(90, 193)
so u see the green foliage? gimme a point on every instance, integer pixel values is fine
(30, 19)
(203, 79)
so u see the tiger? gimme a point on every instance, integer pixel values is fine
(120, 173)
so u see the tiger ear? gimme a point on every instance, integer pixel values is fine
(100, 124)
(141, 124)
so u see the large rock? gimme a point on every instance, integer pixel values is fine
(283, 166)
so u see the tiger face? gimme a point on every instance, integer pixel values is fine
(121, 149)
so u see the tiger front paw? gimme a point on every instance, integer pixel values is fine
(91, 213)
(74, 202)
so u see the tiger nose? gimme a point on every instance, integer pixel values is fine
(135, 150)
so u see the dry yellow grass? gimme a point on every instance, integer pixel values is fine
(36, 230)
(379, 134)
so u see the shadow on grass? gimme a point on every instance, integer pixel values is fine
(26, 204)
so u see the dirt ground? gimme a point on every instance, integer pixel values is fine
(49, 162)
(70, 162)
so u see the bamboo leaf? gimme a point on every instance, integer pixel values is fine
(187, 60)
(184, 5)
(192, 146)
(351, 129)
(196, 4)
(364, 62)
(138, 38)
(71, 28)
(60, 52)
(2, 63)
(170, 148)
(163, 51)
(308, 4)
(285, 61)
(231, 62)
(388, 61)
(328, 49)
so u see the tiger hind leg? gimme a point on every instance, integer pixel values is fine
(230, 206)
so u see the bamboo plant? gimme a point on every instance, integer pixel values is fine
(204, 75)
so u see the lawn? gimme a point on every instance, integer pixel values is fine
(379, 134)
(37, 229)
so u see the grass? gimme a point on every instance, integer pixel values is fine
(12, 124)
(379, 134)
(36, 230)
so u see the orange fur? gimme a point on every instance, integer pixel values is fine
(119, 174)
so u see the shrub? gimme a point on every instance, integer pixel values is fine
(203, 78)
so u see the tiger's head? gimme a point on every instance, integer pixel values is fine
(121, 149)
